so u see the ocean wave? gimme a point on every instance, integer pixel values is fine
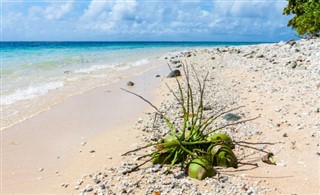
(94, 68)
(30, 92)
(141, 62)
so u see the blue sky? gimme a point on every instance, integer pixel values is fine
(142, 20)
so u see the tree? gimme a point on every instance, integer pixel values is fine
(307, 16)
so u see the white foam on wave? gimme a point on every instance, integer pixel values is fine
(94, 68)
(141, 62)
(30, 92)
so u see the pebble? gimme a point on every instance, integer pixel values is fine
(130, 83)
(88, 188)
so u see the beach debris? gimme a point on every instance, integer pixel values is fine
(83, 143)
(130, 83)
(269, 159)
(76, 187)
(260, 56)
(79, 182)
(194, 145)
(231, 117)
(174, 73)
(175, 61)
(291, 42)
(88, 188)
(223, 178)
(41, 169)
(92, 151)
(200, 169)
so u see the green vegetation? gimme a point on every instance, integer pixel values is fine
(192, 144)
(307, 16)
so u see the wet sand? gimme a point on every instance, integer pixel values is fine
(80, 134)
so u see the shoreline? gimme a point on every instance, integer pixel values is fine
(283, 95)
(27, 149)
(53, 97)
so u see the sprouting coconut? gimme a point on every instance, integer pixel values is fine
(221, 138)
(200, 169)
(223, 156)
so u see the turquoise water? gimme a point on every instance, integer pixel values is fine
(36, 75)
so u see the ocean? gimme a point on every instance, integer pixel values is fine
(37, 75)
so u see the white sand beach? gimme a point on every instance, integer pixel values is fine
(76, 146)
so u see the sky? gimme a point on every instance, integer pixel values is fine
(144, 20)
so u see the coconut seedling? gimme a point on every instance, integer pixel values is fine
(192, 144)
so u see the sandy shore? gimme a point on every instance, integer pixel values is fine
(61, 144)
(85, 135)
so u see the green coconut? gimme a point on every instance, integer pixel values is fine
(200, 169)
(221, 138)
(223, 156)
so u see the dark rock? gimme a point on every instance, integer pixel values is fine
(96, 181)
(249, 54)
(207, 107)
(130, 83)
(157, 76)
(212, 58)
(223, 178)
(260, 56)
(291, 42)
(294, 65)
(189, 55)
(166, 58)
(88, 189)
(175, 61)
(231, 117)
(179, 66)
(285, 135)
(92, 151)
(174, 73)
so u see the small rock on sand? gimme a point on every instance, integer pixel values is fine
(231, 117)
(174, 73)
(130, 83)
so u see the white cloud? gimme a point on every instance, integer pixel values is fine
(136, 19)
(109, 16)
(95, 8)
(58, 10)
(54, 11)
